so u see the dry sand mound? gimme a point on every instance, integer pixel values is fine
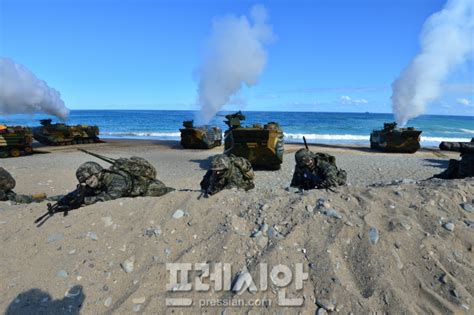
(403, 247)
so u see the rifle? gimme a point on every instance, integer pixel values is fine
(208, 185)
(205, 192)
(305, 144)
(101, 157)
(314, 181)
(71, 201)
(215, 185)
(202, 191)
(311, 180)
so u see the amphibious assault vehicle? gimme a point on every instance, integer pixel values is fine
(261, 145)
(202, 137)
(393, 139)
(62, 134)
(15, 141)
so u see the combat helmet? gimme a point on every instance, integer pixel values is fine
(7, 182)
(220, 162)
(303, 157)
(86, 170)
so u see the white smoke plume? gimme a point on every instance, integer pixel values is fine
(446, 42)
(235, 55)
(21, 92)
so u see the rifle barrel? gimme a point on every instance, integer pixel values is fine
(305, 144)
(101, 157)
(42, 217)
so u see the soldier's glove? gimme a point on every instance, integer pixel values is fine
(39, 197)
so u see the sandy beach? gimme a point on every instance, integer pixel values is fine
(388, 242)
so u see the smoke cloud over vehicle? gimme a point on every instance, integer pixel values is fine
(235, 55)
(446, 42)
(21, 92)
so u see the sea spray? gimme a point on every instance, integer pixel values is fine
(446, 42)
(21, 92)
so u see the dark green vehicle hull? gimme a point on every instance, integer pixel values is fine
(15, 141)
(264, 148)
(403, 140)
(61, 134)
(201, 138)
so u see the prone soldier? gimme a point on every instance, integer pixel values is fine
(125, 178)
(459, 168)
(7, 183)
(228, 172)
(316, 170)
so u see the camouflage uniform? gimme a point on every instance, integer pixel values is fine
(316, 170)
(459, 168)
(7, 183)
(115, 183)
(466, 165)
(228, 172)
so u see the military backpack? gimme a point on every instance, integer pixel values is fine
(7, 182)
(244, 166)
(135, 167)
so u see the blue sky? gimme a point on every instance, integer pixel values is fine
(328, 55)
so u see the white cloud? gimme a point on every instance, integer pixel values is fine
(345, 99)
(464, 101)
(350, 101)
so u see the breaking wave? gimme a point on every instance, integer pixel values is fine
(289, 137)
(441, 139)
(469, 131)
(143, 134)
(314, 136)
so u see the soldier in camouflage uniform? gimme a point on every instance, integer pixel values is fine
(228, 172)
(316, 170)
(459, 168)
(108, 184)
(7, 183)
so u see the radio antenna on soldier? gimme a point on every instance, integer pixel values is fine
(305, 144)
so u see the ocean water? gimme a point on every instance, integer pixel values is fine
(328, 128)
